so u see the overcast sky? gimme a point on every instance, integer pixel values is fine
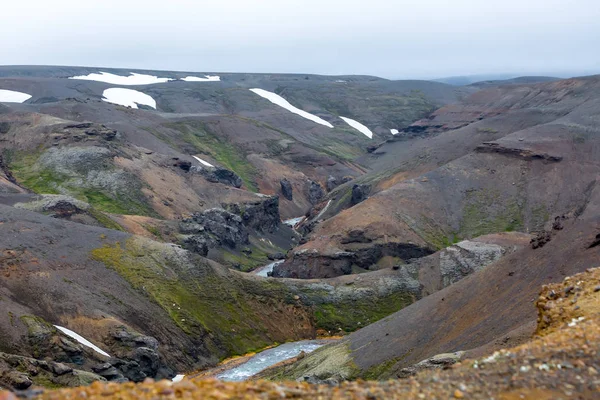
(388, 38)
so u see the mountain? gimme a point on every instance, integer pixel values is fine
(137, 206)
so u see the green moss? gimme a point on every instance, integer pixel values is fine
(31, 175)
(104, 220)
(202, 140)
(354, 314)
(377, 372)
(486, 211)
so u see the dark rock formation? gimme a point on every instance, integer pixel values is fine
(261, 215)
(286, 189)
(315, 192)
(332, 183)
(220, 175)
(92, 129)
(440, 361)
(359, 193)
(307, 265)
(4, 127)
(214, 227)
(184, 165)
(276, 256)
(525, 154)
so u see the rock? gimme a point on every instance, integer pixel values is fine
(184, 165)
(60, 205)
(18, 380)
(219, 175)
(4, 127)
(315, 192)
(276, 256)
(216, 227)
(540, 239)
(359, 193)
(59, 368)
(439, 361)
(286, 189)
(347, 179)
(355, 236)
(261, 215)
(332, 183)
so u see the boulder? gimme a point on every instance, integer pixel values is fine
(315, 192)
(219, 175)
(286, 189)
(332, 183)
(359, 193)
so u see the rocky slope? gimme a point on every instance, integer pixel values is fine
(560, 362)
(486, 310)
(510, 158)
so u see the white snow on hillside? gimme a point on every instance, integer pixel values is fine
(10, 96)
(394, 131)
(178, 378)
(133, 79)
(201, 161)
(280, 101)
(293, 221)
(207, 78)
(128, 98)
(359, 127)
(81, 340)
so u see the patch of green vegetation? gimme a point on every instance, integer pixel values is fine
(538, 217)
(486, 212)
(104, 219)
(354, 314)
(45, 381)
(245, 262)
(29, 174)
(199, 136)
(376, 372)
(198, 300)
(154, 231)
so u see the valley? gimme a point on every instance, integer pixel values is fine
(156, 223)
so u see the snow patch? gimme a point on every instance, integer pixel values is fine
(81, 340)
(280, 101)
(201, 161)
(133, 79)
(10, 96)
(264, 271)
(359, 127)
(128, 98)
(394, 131)
(207, 78)
(178, 378)
(293, 221)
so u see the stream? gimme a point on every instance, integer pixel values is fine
(268, 358)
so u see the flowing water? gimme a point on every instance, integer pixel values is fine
(270, 357)
(263, 271)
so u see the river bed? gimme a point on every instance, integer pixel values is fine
(268, 358)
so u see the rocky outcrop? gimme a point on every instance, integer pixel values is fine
(59, 206)
(359, 194)
(315, 192)
(219, 175)
(213, 227)
(466, 257)
(331, 183)
(20, 373)
(287, 191)
(440, 361)
(92, 129)
(309, 264)
(525, 154)
(261, 215)
(4, 127)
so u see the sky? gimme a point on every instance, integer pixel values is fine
(395, 39)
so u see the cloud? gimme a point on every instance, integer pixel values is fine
(408, 38)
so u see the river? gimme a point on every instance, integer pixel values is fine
(270, 357)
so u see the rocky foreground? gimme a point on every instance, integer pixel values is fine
(561, 361)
